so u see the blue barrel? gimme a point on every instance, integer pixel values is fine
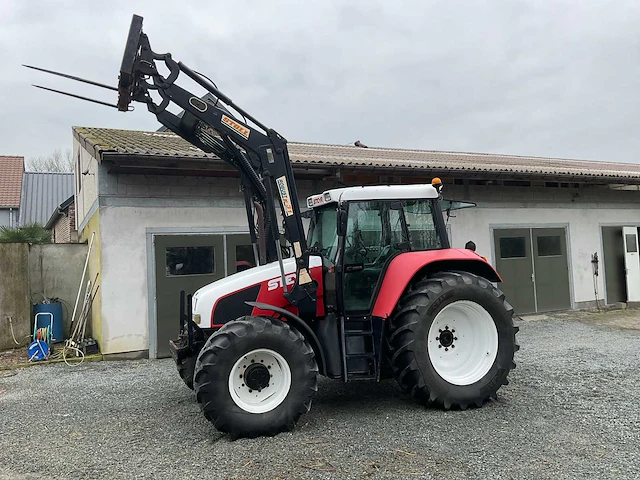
(55, 308)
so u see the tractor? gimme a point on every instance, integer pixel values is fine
(372, 290)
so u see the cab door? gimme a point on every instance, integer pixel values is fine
(373, 236)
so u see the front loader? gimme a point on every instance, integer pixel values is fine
(373, 290)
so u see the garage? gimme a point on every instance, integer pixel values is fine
(534, 268)
(138, 188)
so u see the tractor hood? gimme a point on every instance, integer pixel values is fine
(264, 281)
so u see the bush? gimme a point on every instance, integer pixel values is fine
(32, 233)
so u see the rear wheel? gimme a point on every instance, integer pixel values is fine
(451, 340)
(255, 376)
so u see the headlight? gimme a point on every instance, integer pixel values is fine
(196, 318)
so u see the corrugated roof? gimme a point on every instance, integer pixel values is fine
(11, 170)
(41, 194)
(167, 144)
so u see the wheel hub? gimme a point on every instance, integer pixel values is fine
(446, 338)
(256, 376)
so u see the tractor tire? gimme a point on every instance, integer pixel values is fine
(186, 368)
(451, 340)
(255, 377)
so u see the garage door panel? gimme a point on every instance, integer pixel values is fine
(513, 261)
(551, 269)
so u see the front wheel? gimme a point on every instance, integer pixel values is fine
(451, 340)
(186, 367)
(255, 376)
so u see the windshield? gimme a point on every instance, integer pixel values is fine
(323, 231)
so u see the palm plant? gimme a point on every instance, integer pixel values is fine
(31, 233)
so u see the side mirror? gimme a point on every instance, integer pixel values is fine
(342, 222)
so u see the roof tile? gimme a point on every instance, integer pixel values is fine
(11, 170)
(168, 144)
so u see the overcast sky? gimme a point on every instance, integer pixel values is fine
(551, 78)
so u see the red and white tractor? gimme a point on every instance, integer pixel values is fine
(374, 289)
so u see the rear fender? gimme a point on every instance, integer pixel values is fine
(300, 325)
(406, 266)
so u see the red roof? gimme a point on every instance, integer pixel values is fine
(11, 170)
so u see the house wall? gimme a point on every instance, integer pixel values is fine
(4, 217)
(91, 232)
(8, 217)
(85, 183)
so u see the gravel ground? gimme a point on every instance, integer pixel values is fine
(570, 411)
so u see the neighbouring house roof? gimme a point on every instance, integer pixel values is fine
(41, 193)
(113, 143)
(11, 170)
(59, 212)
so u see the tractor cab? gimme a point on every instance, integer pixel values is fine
(358, 230)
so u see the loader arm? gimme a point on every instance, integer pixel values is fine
(258, 152)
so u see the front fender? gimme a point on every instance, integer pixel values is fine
(404, 267)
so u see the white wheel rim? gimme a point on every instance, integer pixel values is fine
(474, 345)
(269, 397)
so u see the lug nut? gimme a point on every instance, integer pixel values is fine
(453, 346)
(455, 338)
(440, 330)
(446, 349)
(439, 346)
(453, 330)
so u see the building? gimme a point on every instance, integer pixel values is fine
(42, 192)
(11, 171)
(150, 200)
(62, 222)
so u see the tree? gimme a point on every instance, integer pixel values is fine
(32, 233)
(56, 162)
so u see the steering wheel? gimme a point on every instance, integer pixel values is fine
(357, 252)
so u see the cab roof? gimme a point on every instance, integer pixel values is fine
(373, 192)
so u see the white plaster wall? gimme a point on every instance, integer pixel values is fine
(584, 235)
(88, 192)
(125, 315)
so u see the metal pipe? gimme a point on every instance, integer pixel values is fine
(200, 80)
(78, 79)
(100, 102)
(84, 272)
